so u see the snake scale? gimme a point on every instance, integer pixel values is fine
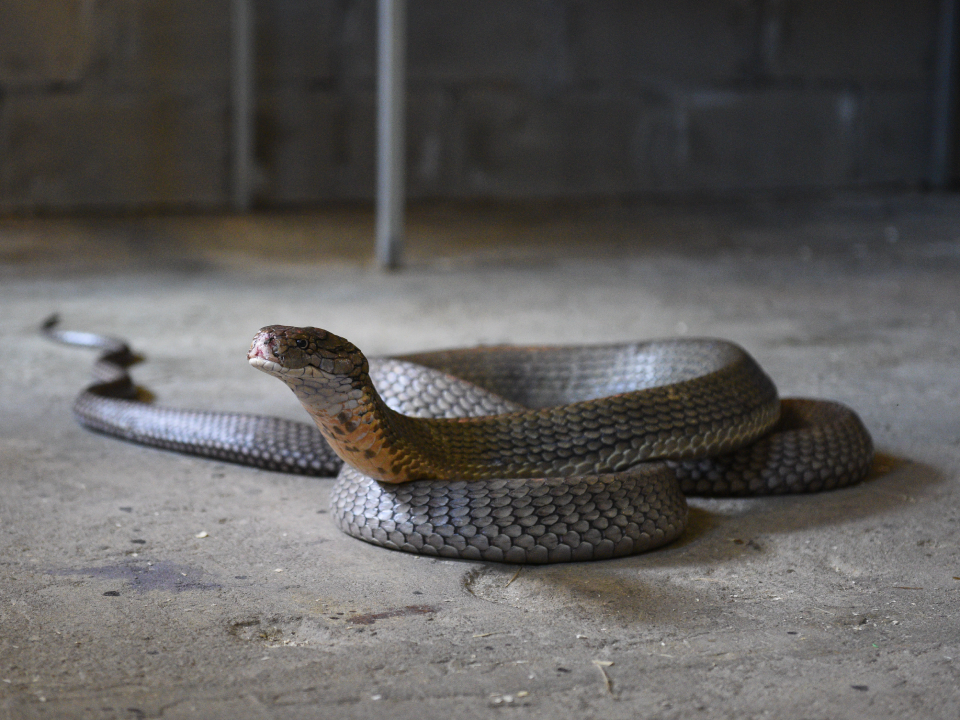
(511, 454)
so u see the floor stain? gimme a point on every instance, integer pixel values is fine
(147, 576)
(371, 618)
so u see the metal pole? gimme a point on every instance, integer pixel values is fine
(242, 93)
(942, 125)
(391, 83)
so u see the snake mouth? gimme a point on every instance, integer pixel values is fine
(266, 365)
(261, 362)
(261, 357)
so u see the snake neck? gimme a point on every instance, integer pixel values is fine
(364, 432)
(331, 379)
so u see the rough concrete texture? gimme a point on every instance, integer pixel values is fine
(136, 583)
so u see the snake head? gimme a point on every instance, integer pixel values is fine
(295, 352)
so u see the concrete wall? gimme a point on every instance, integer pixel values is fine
(125, 103)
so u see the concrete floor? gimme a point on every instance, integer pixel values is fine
(840, 605)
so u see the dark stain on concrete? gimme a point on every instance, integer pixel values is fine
(146, 576)
(371, 618)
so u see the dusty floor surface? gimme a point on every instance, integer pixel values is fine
(839, 605)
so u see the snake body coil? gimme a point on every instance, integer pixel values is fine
(509, 454)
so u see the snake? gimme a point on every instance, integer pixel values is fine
(513, 454)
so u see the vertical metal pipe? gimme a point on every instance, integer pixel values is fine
(242, 94)
(391, 84)
(942, 124)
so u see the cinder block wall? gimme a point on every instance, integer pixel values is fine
(125, 103)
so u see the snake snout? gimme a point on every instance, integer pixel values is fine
(256, 351)
(261, 346)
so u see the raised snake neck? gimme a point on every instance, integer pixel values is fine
(518, 454)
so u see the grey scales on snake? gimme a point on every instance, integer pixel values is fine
(509, 454)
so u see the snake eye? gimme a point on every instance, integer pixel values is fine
(301, 343)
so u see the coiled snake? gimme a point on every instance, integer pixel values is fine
(513, 454)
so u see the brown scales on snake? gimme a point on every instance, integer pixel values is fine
(518, 454)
